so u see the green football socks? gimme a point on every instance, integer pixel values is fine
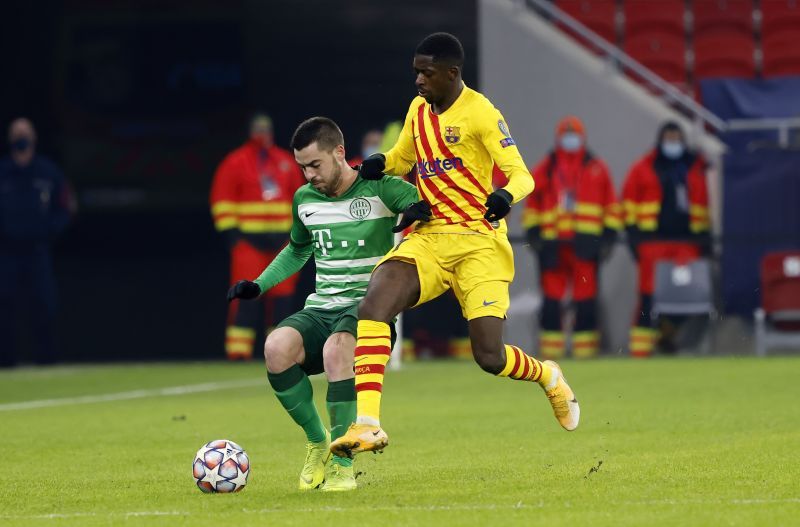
(341, 402)
(294, 392)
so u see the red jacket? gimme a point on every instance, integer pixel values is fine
(574, 195)
(253, 188)
(642, 196)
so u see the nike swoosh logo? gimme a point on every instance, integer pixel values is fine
(359, 359)
(311, 213)
(485, 303)
(375, 433)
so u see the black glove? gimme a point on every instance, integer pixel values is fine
(419, 211)
(244, 289)
(534, 238)
(607, 242)
(605, 250)
(372, 167)
(633, 239)
(706, 246)
(498, 205)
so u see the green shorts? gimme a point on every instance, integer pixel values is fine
(315, 326)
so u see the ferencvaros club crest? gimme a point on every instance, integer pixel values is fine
(452, 134)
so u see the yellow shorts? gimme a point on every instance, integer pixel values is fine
(477, 267)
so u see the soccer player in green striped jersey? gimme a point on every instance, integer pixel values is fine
(346, 223)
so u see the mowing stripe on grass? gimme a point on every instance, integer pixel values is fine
(134, 394)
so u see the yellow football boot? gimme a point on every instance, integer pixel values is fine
(562, 399)
(360, 438)
(317, 455)
(338, 478)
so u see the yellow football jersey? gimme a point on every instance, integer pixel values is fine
(455, 153)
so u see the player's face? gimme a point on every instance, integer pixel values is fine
(261, 133)
(433, 79)
(672, 136)
(323, 169)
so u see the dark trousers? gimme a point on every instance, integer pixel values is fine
(566, 272)
(27, 293)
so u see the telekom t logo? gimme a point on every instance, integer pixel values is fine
(322, 242)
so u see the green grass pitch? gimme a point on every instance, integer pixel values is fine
(661, 442)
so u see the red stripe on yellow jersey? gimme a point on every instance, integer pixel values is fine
(455, 153)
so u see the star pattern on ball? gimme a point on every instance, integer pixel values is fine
(224, 455)
(230, 453)
(212, 476)
(240, 479)
(201, 454)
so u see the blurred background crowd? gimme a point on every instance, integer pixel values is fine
(146, 168)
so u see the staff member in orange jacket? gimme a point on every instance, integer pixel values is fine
(251, 202)
(666, 218)
(572, 220)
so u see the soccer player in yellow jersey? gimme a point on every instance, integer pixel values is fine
(454, 135)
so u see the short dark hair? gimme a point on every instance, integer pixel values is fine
(443, 47)
(670, 126)
(321, 130)
(259, 116)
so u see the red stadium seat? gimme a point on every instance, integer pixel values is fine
(597, 15)
(645, 16)
(778, 319)
(723, 15)
(724, 54)
(781, 53)
(779, 15)
(780, 282)
(663, 52)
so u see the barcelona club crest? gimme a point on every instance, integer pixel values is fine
(452, 134)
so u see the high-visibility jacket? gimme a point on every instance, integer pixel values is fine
(580, 205)
(252, 190)
(643, 196)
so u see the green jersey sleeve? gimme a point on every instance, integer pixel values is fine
(299, 234)
(397, 193)
(292, 258)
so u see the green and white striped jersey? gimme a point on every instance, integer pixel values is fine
(349, 233)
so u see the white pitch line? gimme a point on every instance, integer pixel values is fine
(134, 394)
(397, 508)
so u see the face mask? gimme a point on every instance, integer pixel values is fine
(368, 151)
(21, 144)
(571, 142)
(672, 149)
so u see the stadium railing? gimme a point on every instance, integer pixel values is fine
(781, 125)
(621, 60)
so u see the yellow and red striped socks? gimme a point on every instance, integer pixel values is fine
(373, 350)
(551, 344)
(239, 342)
(642, 341)
(585, 344)
(523, 367)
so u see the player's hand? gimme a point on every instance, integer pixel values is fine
(419, 211)
(372, 167)
(498, 205)
(244, 289)
(534, 239)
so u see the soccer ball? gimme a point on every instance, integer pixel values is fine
(221, 466)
